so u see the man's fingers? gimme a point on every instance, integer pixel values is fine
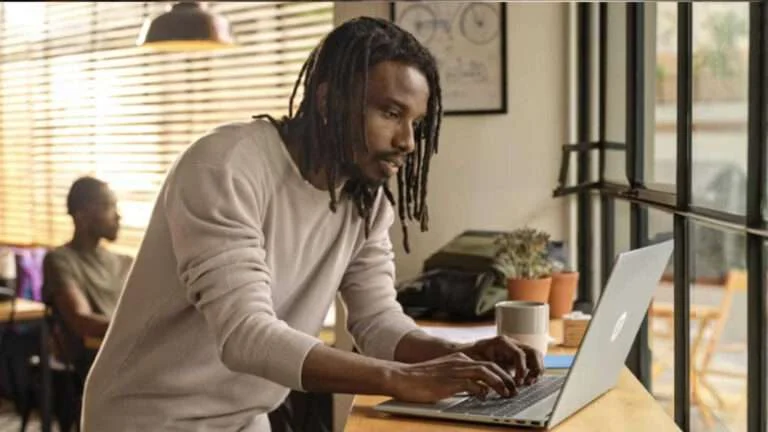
(535, 362)
(480, 372)
(519, 362)
(535, 359)
(475, 387)
(514, 356)
(509, 381)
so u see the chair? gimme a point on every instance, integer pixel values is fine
(68, 375)
(710, 321)
(736, 282)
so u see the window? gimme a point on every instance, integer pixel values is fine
(695, 121)
(78, 97)
(719, 67)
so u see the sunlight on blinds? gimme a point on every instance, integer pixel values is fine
(78, 97)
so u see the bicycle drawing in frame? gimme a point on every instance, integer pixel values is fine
(468, 40)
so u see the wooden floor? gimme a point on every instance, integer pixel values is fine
(11, 422)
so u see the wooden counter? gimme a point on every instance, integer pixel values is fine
(25, 310)
(627, 408)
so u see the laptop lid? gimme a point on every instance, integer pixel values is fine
(613, 328)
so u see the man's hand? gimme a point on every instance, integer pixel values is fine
(425, 370)
(506, 352)
(446, 376)
(434, 358)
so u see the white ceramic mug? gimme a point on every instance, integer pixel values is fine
(525, 321)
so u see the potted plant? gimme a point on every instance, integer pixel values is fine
(562, 292)
(521, 256)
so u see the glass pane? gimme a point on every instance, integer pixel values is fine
(663, 138)
(718, 329)
(720, 60)
(616, 85)
(717, 321)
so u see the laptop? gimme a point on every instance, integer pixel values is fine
(596, 366)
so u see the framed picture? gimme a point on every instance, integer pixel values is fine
(469, 41)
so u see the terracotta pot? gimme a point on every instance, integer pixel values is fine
(536, 290)
(562, 292)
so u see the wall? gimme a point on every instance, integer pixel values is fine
(499, 171)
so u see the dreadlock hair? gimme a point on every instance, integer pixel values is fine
(343, 60)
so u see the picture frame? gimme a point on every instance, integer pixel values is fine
(469, 42)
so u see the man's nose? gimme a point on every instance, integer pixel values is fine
(406, 142)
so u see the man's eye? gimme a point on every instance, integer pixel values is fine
(392, 114)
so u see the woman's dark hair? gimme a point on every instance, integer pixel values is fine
(342, 61)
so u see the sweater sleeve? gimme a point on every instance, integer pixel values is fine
(375, 319)
(214, 220)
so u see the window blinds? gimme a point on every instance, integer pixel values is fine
(78, 97)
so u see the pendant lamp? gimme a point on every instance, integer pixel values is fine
(187, 26)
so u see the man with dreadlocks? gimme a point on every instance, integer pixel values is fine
(257, 226)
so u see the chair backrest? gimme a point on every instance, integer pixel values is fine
(69, 348)
(736, 280)
(30, 272)
(735, 283)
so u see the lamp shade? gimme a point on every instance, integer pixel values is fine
(186, 27)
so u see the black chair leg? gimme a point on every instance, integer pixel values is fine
(25, 419)
(66, 402)
(30, 400)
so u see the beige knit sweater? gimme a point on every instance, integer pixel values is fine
(239, 265)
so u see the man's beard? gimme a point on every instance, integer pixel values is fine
(355, 175)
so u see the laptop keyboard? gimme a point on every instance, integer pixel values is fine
(508, 407)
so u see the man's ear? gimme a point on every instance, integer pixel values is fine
(83, 215)
(77, 217)
(322, 101)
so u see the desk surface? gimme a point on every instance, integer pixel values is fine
(627, 408)
(26, 310)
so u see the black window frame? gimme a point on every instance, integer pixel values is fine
(642, 196)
